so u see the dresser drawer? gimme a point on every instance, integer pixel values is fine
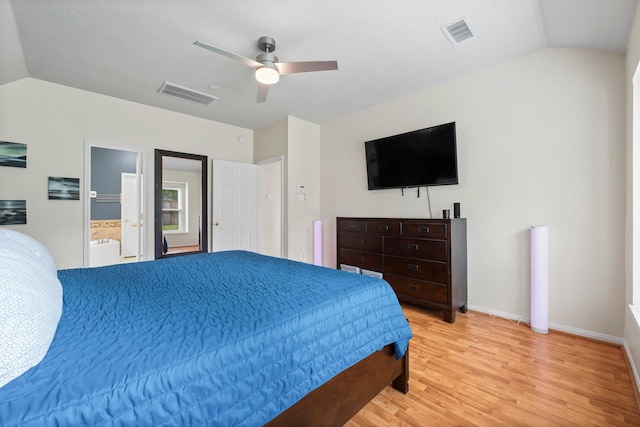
(384, 227)
(430, 230)
(360, 259)
(419, 289)
(435, 250)
(367, 242)
(432, 271)
(346, 225)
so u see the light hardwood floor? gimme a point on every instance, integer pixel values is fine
(488, 371)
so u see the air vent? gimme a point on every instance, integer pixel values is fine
(457, 31)
(186, 93)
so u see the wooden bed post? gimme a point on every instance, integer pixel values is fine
(401, 383)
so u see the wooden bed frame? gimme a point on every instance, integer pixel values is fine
(339, 399)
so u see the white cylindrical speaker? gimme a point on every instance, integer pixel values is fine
(317, 242)
(540, 279)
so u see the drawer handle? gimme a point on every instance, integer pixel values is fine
(362, 242)
(414, 247)
(351, 226)
(423, 229)
(414, 287)
(412, 267)
(384, 227)
(359, 258)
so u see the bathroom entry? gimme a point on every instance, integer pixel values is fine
(113, 211)
(130, 205)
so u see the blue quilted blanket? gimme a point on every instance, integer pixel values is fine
(229, 338)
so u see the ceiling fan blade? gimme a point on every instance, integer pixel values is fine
(250, 62)
(262, 93)
(303, 67)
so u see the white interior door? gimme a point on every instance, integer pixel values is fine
(234, 206)
(130, 208)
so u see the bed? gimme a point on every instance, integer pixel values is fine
(227, 338)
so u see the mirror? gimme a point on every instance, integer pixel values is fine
(180, 204)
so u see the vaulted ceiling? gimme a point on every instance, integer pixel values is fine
(385, 49)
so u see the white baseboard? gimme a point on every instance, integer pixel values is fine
(498, 313)
(555, 326)
(635, 315)
(633, 365)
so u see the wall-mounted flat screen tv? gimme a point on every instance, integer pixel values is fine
(420, 158)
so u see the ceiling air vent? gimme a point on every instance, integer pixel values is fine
(186, 93)
(457, 31)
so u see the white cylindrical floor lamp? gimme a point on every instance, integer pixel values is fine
(317, 242)
(540, 279)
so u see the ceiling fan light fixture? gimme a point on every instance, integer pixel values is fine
(267, 75)
(267, 66)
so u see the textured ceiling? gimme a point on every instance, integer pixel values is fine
(385, 49)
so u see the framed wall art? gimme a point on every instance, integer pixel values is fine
(13, 212)
(64, 188)
(13, 154)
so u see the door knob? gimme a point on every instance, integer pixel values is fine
(217, 223)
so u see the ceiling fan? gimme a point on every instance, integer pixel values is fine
(268, 69)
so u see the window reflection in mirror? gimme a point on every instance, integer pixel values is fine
(180, 203)
(174, 199)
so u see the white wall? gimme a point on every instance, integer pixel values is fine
(270, 204)
(271, 141)
(540, 141)
(298, 141)
(632, 243)
(303, 169)
(54, 121)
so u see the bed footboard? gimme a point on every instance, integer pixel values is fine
(339, 399)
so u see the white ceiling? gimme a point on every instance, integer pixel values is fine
(385, 49)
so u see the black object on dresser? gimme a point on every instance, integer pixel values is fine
(424, 260)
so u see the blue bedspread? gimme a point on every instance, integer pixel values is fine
(229, 338)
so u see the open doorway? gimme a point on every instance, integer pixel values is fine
(114, 209)
(271, 207)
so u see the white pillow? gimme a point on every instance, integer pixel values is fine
(30, 303)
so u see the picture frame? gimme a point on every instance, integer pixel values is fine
(13, 212)
(13, 154)
(61, 188)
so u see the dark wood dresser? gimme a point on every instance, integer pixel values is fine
(424, 260)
